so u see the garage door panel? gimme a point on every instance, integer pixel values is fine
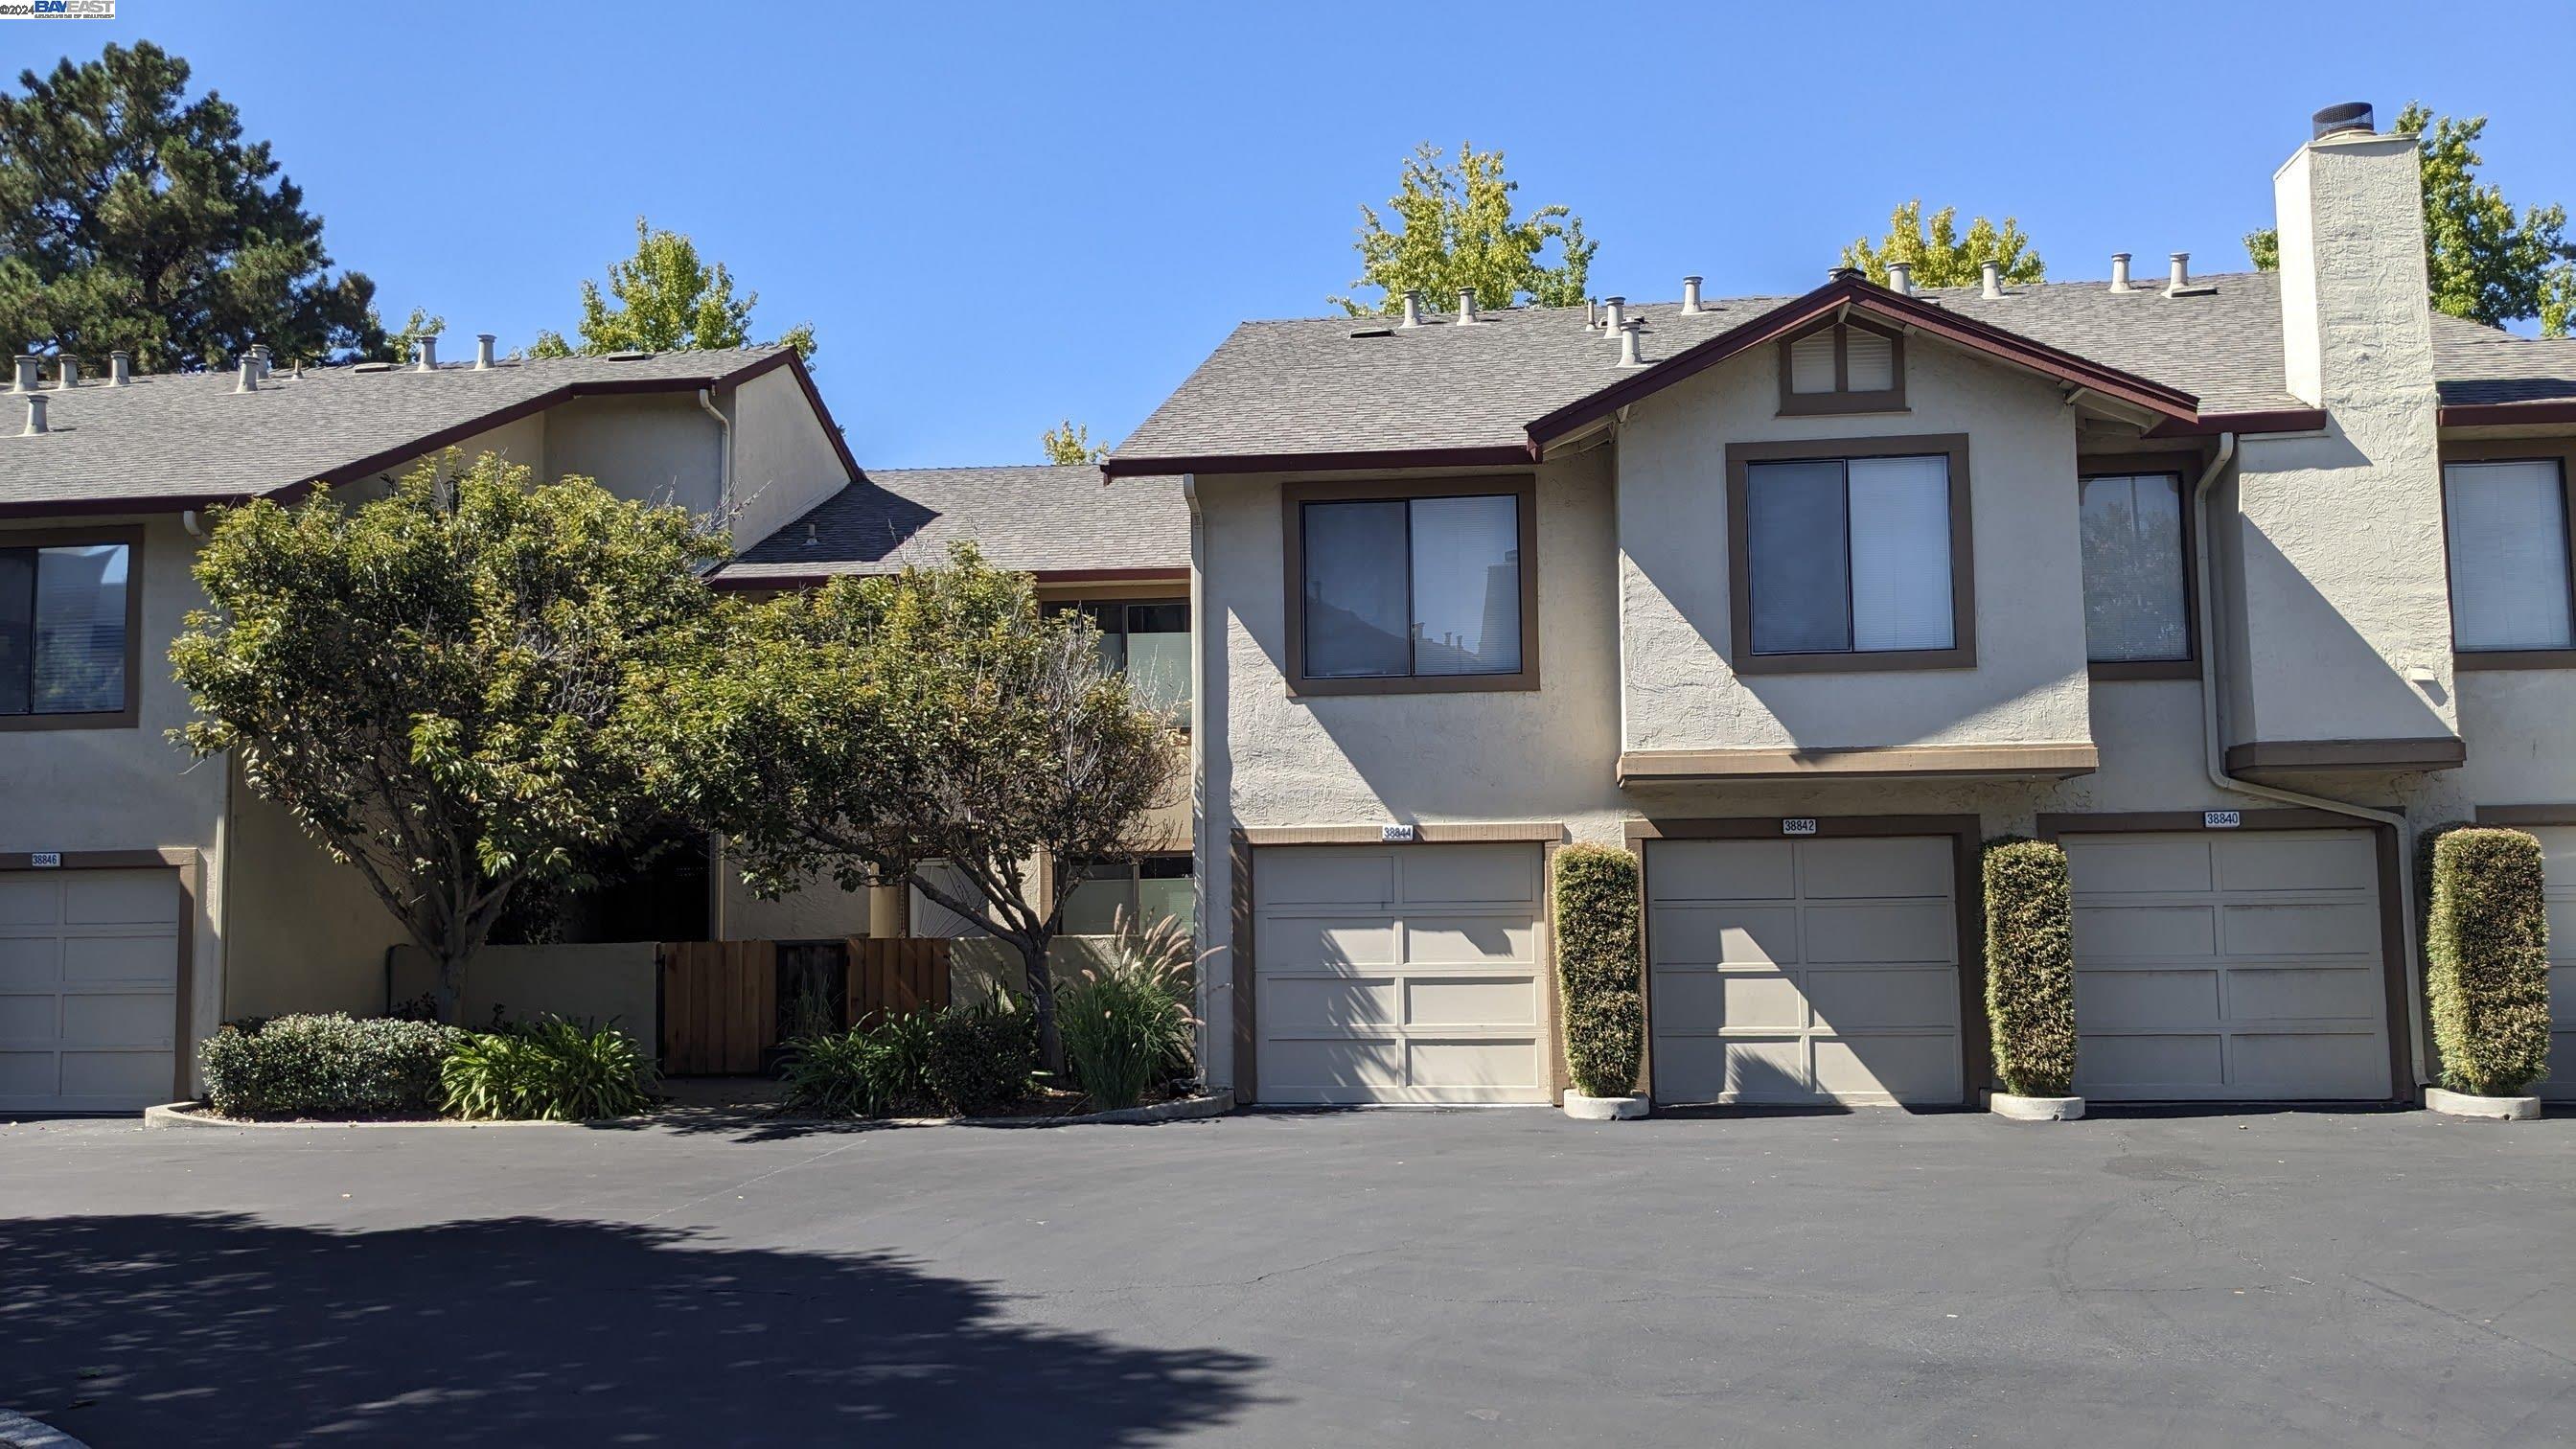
(120, 959)
(30, 961)
(140, 1020)
(1306, 943)
(2148, 998)
(2306, 993)
(1745, 1070)
(1470, 875)
(30, 1018)
(2143, 866)
(1916, 1070)
(119, 898)
(1723, 1000)
(1727, 870)
(1903, 866)
(2342, 929)
(1291, 1065)
(1437, 1001)
(1849, 1000)
(30, 899)
(2311, 1064)
(102, 1077)
(89, 974)
(1308, 1004)
(1497, 1066)
(1725, 934)
(28, 1077)
(1324, 878)
(1879, 931)
(2178, 1059)
(2300, 861)
(1469, 940)
(2144, 932)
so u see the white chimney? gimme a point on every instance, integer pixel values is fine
(1466, 306)
(70, 366)
(1990, 279)
(2355, 319)
(249, 376)
(30, 370)
(120, 368)
(35, 415)
(1413, 308)
(427, 349)
(1900, 278)
(2120, 272)
(1614, 315)
(1630, 345)
(1690, 297)
(483, 351)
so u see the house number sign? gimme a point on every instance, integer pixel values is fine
(45, 860)
(2221, 819)
(1798, 827)
(1395, 834)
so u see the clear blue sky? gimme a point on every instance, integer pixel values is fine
(999, 216)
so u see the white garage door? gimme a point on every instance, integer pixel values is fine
(89, 964)
(1398, 974)
(2229, 966)
(2558, 859)
(1800, 971)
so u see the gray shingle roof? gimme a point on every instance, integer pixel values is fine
(1040, 517)
(191, 436)
(1312, 386)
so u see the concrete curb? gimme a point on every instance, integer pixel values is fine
(194, 1114)
(2035, 1109)
(2462, 1104)
(1604, 1109)
(17, 1431)
(1213, 1105)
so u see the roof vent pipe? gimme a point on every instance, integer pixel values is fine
(483, 351)
(259, 354)
(2350, 116)
(35, 415)
(29, 366)
(2120, 272)
(120, 368)
(70, 369)
(1413, 308)
(1630, 343)
(1466, 306)
(2179, 277)
(1900, 278)
(428, 347)
(1690, 297)
(1990, 276)
(249, 376)
(1614, 315)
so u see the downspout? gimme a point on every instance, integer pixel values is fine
(2214, 755)
(724, 457)
(1201, 860)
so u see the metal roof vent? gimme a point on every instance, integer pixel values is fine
(36, 415)
(70, 369)
(1413, 308)
(813, 536)
(1467, 307)
(30, 368)
(120, 369)
(259, 354)
(1690, 297)
(426, 351)
(1900, 278)
(1631, 344)
(483, 351)
(2349, 116)
(1374, 332)
(2120, 272)
(1614, 315)
(630, 355)
(2178, 283)
(1990, 280)
(249, 375)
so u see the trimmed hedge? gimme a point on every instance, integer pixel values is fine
(2486, 950)
(1597, 968)
(326, 1066)
(2030, 966)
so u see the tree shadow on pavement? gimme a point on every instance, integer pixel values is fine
(222, 1329)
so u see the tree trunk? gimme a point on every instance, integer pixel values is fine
(449, 994)
(1033, 958)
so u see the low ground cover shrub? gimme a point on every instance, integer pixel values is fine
(2030, 966)
(550, 1070)
(1597, 965)
(1126, 1022)
(331, 1065)
(956, 1060)
(2486, 950)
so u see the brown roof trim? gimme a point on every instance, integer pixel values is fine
(1499, 456)
(102, 507)
(1862, 296)
(815, 579)
(2268, 420)
(2481, 415)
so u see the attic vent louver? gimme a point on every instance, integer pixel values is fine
(630, 355)
(375, 367)
(1374, 332)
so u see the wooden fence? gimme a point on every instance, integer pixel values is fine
(720, 999)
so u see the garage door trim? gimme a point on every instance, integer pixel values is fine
(2392, 930)
(182, 861)
(1975, 1037)
(1242, 843)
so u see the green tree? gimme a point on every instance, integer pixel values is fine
(666, 300)
(1940, 256)
(1070, 443)
(472, 740)
(135, 219)
(861, 730)
(1455, 230)
(400, 345)
(2483, 262)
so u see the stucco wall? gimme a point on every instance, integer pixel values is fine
(611, 984)
(783, 462)
(658, 447)
(2521, 729)
(2028, 686)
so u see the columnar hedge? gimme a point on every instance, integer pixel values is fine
(2030, 967)
(1598, 968)
(2486, 950)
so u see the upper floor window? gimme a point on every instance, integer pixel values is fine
(2507, 521)
(1843, 367)
(1149, 642)
(2137, 610)
(67, 631)
(1851, 555)
(1419, 586)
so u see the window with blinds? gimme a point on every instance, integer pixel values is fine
(1843, 367)
(1850, 555)
(2507, 527)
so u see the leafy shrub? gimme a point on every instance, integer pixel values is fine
(326, 1066)
(1126, 1025)
(1597, 968)
(2030, 966)
(957, 1060)
(2486, 948)
(551, 1070)
(981, 1057)
(827, 1075)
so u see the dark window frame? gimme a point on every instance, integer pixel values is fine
(131, 713)
(1842, 399)
(2184, 468)
(1962, 653)
(1294, 497)
(2561, 451)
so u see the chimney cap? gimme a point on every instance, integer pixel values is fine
(2347, 116)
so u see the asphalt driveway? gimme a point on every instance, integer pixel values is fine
(1417, 1278)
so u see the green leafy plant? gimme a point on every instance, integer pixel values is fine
(326, 1066)
(665, 299)
(1455, 232)
(550, 1070)
(957, 1060)
(836, 1074)
(981, 1057)
(1597, 968)
(1939, 255)
(2030, 966)
(2486, 948)
(1126, 1022)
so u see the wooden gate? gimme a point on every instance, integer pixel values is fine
(720, 1006)
(893, 975)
